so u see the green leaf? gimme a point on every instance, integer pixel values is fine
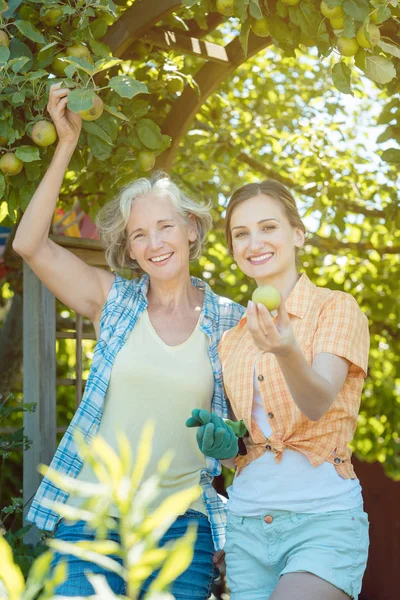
(389, 48)
(149, 134)
(80, 100)
(105, 63)
(30, 31)
(379, 69)
(240, 8)
(95, 129)
(255, 10)
(19, 63)
(2, 190)
(358, 9)
(244, 35)
(100, 49)
(349, 29)
(127, 87)
(47, 47)
(19, 49)
(33, 75)
(341, 75)
(390, 132)
(392, 155)
(4, 55)
(18, 97)
(99, 149)
(359, 59)
(116, 113)
(308, 18)
(279, 30)
(27, 153)
(383, 13)
(80, 63)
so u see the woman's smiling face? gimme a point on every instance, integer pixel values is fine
(263, 241)
(159, 237)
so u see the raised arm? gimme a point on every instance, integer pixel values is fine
(77, 285)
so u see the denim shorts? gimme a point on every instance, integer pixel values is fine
(195, 583)
(330, 545)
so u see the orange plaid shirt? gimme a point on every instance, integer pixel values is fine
(323, 321)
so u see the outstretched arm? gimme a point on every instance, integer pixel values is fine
(79, 286)
(312, 387)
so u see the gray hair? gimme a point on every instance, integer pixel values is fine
(113, 217)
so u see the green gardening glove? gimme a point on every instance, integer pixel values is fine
(215, 438)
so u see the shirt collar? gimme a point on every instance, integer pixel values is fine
(298, 300)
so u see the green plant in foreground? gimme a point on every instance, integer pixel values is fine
(120, 484)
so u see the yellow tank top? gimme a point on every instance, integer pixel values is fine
(153, 381)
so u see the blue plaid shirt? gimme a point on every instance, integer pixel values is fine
(125, 303)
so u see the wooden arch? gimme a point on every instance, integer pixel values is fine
(220, 61)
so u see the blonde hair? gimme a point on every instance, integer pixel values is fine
(112, 219)
(275, 190)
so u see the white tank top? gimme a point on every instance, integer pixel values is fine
(293, 484)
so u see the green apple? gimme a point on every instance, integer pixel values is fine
(331, 12)
(347, 46)
(260, 27)
(267, 295)
(51, 16)
(225, 7)
(337, 22)
(374, 36)
(175, 84)
(93, 113)
(58, 66)
(290, 2)
(79, 51)
(11, 164)
(147, 160)
(4, 39)
(44, 133)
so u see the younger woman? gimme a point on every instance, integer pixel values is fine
(296, 526)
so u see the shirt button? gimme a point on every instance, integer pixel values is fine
(268, 519)
(337, 460)
(268, 447)
(260, 378)
(270, 415)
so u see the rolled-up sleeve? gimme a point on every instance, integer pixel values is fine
(343, 330)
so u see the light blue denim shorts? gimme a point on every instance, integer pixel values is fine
(330, 545)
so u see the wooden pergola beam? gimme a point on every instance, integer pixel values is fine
(178, 42)
(208, 79)
(212, 20)
(134, 23)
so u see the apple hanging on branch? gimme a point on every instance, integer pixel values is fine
(86, 103)
(44, 133)
(11, 164)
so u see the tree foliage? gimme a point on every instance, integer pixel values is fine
(299, 112)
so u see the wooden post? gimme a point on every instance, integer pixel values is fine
(39, 335)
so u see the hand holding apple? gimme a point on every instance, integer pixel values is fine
(269, 334)
(67, 123)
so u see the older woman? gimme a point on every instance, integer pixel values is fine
(156, 356)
